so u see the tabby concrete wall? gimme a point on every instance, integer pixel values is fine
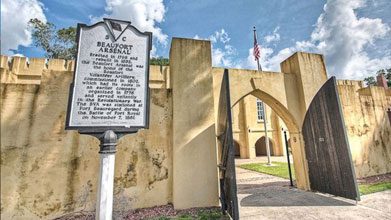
(368, 126)
(47, 171)
(195, 177)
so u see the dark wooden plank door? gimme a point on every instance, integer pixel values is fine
(228, 190)
(326, 145)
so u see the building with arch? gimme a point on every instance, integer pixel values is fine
(47, 171)
(249, 131)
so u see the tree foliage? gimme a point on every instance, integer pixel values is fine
(59, 44)
(371, 80)
(159, 61)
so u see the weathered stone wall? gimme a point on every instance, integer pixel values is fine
(47, 171)
(368, 126)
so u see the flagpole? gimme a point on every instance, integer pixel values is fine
(269, 163)
(255, 38)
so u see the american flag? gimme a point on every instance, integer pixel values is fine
(257, 49)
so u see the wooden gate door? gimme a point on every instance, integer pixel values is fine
(228, 191)
(326, 145)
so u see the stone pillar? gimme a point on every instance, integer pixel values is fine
(4, 62)
(299, 160)
(245, 148)
(250, 139)
(305, 74)
(195, 178)
(310, 74)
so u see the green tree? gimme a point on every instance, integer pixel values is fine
(60, 44)
(370, 81)
(159, 61)
(381, 71)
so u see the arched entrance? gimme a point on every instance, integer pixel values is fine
(237, 148)
(196, 128)
(260, 147)
(297, 143)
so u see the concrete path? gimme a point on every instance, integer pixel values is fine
(263, 196)
(263, 159)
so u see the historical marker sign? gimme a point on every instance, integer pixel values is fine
(110, 87)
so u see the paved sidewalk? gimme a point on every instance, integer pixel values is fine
(263, 196)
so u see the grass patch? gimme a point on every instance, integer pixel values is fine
(372, 188)
(279, 169)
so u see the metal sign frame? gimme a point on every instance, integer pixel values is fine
(116, 129)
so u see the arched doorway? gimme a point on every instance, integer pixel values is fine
(237, 148)
(260, 147)
(297, 145)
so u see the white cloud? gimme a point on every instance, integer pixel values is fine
(223, 54)
(144, 14)
(18, 55)
(275, 36)
(221, 36)
(267, 61)
(15, 15)
(273, 63)
(343, 38)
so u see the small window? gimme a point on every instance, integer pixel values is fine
(260, 112)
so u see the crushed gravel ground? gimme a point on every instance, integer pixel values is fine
(375, 179)
(145, 213)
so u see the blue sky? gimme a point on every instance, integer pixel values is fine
(354, 35)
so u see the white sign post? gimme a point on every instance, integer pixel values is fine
(109, 94)
(104, 204)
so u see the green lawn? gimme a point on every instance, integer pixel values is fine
(279, 169)
(372, 188)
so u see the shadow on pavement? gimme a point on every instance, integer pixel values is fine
(280, 194)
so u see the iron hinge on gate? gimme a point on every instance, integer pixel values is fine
(221, 167)
(221, 136)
